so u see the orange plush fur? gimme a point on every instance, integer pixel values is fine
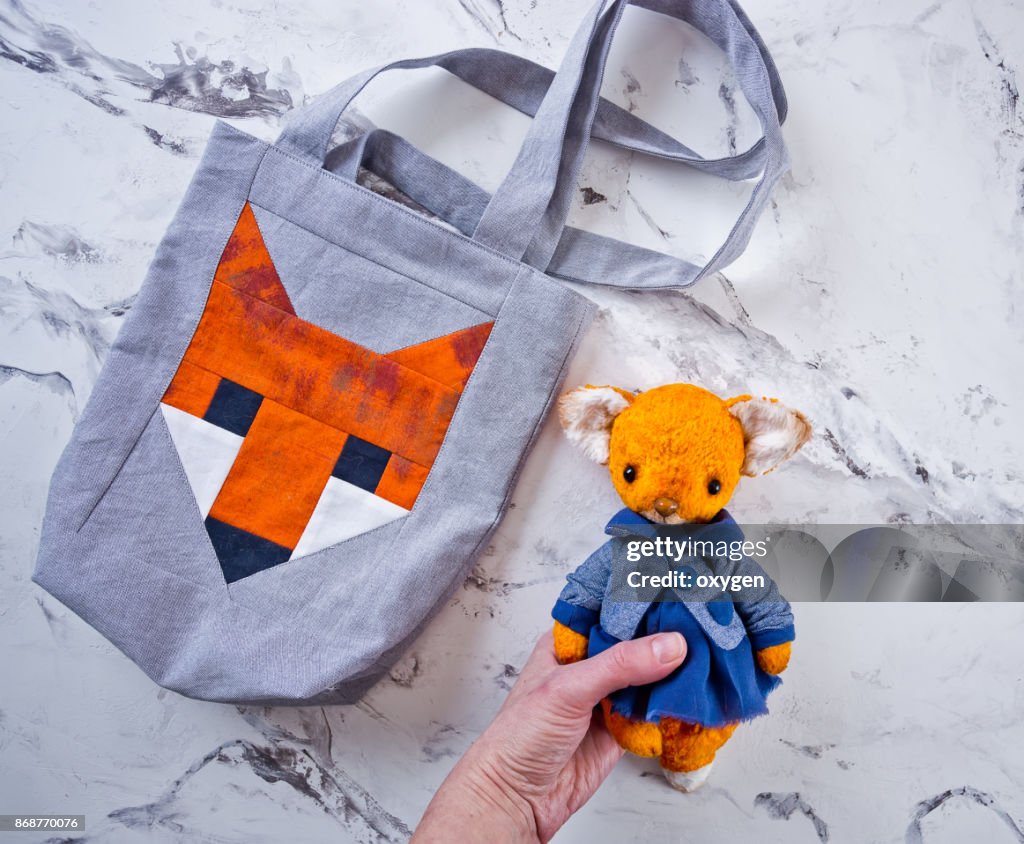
(677, 439)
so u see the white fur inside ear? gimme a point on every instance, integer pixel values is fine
(587, 415)
(772, 433)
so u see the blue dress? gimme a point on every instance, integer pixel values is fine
(719, 681)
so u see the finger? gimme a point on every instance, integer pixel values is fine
(635, 663)
(538, 665)
(543, 655)
(541, 660)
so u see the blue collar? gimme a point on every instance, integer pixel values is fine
(628, 523)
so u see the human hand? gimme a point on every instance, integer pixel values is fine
(547, 751)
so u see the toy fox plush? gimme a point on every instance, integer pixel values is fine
(675, 455)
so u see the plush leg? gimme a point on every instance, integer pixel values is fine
(640, 737)
(687, 781)
(688, 751)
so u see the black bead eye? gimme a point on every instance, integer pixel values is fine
(714, 486)
(629, 473)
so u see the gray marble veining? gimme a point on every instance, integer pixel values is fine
(881, 295)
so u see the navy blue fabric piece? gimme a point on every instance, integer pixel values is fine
(242, 553)
(361, 463)
(722, 528)
(712, 687)
(719, 681)
(577, 619)
(233, 407)
(588, 585)
(721, 611)
(770, 638)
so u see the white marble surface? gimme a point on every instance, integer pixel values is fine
(881, 295)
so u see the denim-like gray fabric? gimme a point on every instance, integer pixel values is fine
(591, 584)
(726, 25)
(359, 299)
(521, 83)
(169, 305)
(123, 542)
(582, 256)
(525, 218)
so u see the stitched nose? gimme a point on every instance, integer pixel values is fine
(666, 506)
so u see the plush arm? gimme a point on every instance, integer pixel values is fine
(570, 646)
(769, 622)
(572, 629)
(774, 659)
(578, 608)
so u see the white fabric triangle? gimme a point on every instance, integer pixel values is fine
(343, 511)
(206, 451)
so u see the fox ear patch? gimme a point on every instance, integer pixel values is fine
(587, 414)
(772, 433)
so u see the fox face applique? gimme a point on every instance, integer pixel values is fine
(293, 438)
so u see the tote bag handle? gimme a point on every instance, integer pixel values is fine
(525, 218)
(521, 83)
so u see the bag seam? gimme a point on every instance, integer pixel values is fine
(184, 351)
(470, 381)
(368, 259)
(421, 221)
(183, 476)
(473, 555)
(405, 519)
(287, 563)
(117, 473)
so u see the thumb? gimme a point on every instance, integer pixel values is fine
(633, 663)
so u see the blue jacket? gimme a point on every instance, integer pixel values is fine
(767, 622)
(719, 681)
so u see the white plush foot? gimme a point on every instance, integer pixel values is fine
(687, 781)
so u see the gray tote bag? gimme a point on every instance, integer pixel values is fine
(315, 413)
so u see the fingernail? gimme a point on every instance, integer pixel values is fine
(668, 647)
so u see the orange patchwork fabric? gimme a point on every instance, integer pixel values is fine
(192, 389)
(246, 265)
(316, 427)
(449, 359)
(315, 372)
(401, 481)
(281, 444)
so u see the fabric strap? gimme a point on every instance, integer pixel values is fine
(525, 218)
(581, 256)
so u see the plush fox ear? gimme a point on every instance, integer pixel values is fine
(772, 432)
(587, 414)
